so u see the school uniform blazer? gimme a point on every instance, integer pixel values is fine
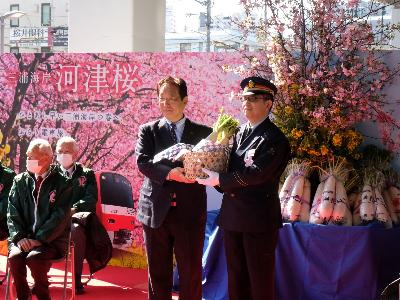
(250, 202)
(156, 192)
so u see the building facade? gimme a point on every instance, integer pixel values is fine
(186, 30)
(131, 25)
(83, 25)
(42, 28)
(116, 26)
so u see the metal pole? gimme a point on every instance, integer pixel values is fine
(208, 25)
(1, 35)
(265, 14)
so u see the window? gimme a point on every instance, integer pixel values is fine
(220, 47)
(14, 22)
(236, 46)
(46, 14)
(201, 47)
(14, 50)
(115, 190)
(45, 49)
(185, 47)
(202, 21)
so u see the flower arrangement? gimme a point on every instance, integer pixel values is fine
(316, 142)
(330, 75)
(4, 150)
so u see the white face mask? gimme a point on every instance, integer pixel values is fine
(65, 160)
(32, 165)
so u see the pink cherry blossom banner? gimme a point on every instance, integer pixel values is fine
(86, 79)
(100, 100)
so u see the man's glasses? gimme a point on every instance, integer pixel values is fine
(170, 100)
(252, 98)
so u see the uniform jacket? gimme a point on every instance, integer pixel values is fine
(250, 202)
(84, 189)
(156, 192)
(98, 250)
(48, 218)
(6, 179)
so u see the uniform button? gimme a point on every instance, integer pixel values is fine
(232, 195)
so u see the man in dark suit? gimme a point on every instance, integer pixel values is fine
(171, 208)
(250, 213)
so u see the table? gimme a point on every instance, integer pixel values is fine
(316, 261)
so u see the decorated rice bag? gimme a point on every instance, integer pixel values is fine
(213, 152)
(330, 202)
(295, 193)
(373, 206)
(315, 208)
(341, 214)
(172, 152)
(355, 201)
(391, 195)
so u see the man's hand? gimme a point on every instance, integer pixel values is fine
(34, 243)
(73, 211)
(211, 180)
(24, 244)
(178, 174)
(181, 154)
(27, 245)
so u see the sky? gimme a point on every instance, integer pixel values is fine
(186, 10)
(219, 6)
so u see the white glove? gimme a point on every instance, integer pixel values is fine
(181, 154)
(211, 180)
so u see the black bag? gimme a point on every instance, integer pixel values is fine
(98, 247)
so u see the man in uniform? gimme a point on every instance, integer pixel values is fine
(250, 214)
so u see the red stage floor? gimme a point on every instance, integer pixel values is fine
(114, 283)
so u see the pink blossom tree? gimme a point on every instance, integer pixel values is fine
(329, 68)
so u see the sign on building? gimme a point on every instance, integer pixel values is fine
(29, 36)
(60, 36)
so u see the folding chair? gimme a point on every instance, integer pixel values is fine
(9, 291)
(68, 258)
(391, 291)
(88, 277)
(3, 237)
(4, 276)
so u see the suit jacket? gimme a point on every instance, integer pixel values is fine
(156, 192)
(250, 202)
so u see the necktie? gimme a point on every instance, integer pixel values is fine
(67, 174)
(37, 185)
(246, 132)
(172, 129)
